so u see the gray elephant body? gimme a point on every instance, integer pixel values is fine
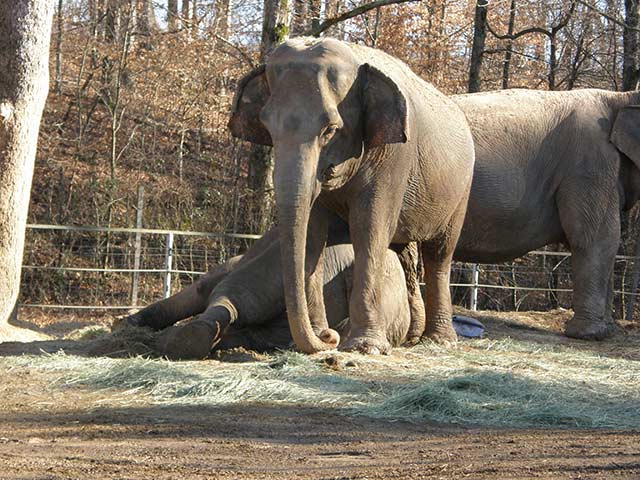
(241, 303)
(553, 167)
(358, 131)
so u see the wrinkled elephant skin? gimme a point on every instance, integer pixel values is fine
(554, 167)
(356, 132)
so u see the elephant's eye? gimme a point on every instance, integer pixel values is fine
(330, 131)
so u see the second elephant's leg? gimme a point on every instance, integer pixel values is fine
(408, 256)
(592, 270)
(437, 270)
(195, 338)
(591, 223)
(437, 255)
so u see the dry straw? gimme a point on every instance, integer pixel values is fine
(484, 382)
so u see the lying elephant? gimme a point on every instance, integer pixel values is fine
(357, 133)
(554, 167)
(241, 303)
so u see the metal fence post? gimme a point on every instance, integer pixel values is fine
(474, 289)
(168, 266)
(138, 247)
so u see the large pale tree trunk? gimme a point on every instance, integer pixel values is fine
(25, 30)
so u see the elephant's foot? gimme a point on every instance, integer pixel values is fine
(442, 334)
(124, 322)
(367, 345)
(192, 340)
(590, 330)
(411, 341)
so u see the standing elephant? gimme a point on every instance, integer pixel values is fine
(554, 167)
(241, 303)
(356, 132)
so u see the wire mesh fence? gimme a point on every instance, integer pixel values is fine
(96, 268)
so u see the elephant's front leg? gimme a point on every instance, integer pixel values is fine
(317, 234)
(371, 230)
(592, 230)
(195, 338)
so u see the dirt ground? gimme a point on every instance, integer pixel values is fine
(63, 433)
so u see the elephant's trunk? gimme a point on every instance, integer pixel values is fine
(296, 188)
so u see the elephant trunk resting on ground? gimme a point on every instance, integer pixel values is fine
(241, 303)
(554, 167)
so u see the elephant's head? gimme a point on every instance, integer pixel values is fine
(320, 109)
(626, 137)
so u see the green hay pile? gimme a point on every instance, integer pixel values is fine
(484, 382)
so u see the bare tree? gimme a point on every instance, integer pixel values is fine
(146, 18)
(509, 51)
(58, 76)
(222, 18)
(551, 33)
(25, 29)
(275, 29)
(477, 50)
(630, 43)
(172, 15)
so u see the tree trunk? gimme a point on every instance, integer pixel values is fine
(25, 30)
(112, 21)
(314, 13)
(553, 62)
(185, 19)
(275, 30)
(507, 55)
(172, 15)
(58, 78)
(300, 17)
(146, 18)
(630, 45)
(222, 18)
(477, 50)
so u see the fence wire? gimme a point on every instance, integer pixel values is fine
(92, 268)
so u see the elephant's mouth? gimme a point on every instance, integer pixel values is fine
(335, 176)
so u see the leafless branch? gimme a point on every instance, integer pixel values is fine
(564, 20)
(314, 32)
(605, 15)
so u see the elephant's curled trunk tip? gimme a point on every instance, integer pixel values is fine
(330, 337)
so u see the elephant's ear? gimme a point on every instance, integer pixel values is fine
(626, 133)
(385, 109)
(251, 95)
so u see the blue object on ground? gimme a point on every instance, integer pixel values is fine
(467, 327)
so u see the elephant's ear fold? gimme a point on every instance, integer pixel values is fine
(626, 133)
(385, 109)
(251, 96)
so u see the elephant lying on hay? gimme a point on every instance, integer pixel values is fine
(241, 303)
(554, 167)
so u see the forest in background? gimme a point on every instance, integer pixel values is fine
(141, 90)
